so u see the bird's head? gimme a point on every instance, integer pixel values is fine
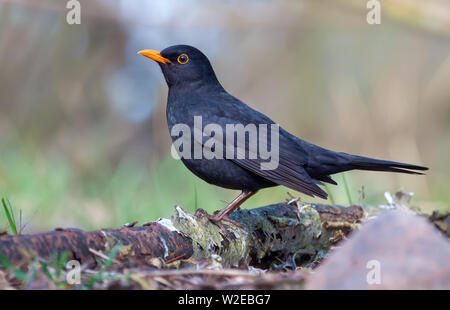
(183, 65)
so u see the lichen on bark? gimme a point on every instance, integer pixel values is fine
(269, 237)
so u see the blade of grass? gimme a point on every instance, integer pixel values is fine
(330, 195)
(99, 276)
(347, 189)
(30, 277)
(9, 215)
(195, 199)
(59, 262)
(7, 265)
(20, 221)
(112, 255)
(46, 271)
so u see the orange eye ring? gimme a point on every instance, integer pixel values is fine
(182, 59)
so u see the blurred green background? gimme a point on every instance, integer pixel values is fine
(83, 135)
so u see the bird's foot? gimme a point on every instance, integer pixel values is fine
(218, 219)
(226, 218)
(294, 201)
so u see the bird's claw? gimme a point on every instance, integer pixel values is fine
(225, 218)
(218, 220)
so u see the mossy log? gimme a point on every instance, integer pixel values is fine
(272, 236)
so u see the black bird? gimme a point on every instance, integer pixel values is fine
(194, 90)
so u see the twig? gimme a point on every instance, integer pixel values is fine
(100, 254)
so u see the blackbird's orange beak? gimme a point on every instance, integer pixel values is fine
(154, 55)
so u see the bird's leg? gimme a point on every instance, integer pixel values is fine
(223, 215)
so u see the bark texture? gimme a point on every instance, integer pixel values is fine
(270, 236)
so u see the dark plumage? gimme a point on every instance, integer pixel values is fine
(195, 91)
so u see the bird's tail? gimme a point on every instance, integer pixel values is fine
(366, 163)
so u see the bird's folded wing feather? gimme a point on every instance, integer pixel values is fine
(290, 171)
(292, 176)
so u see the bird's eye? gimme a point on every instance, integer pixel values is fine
(182, 59)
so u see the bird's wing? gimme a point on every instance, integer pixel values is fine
(287, 174)
(292, 158)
